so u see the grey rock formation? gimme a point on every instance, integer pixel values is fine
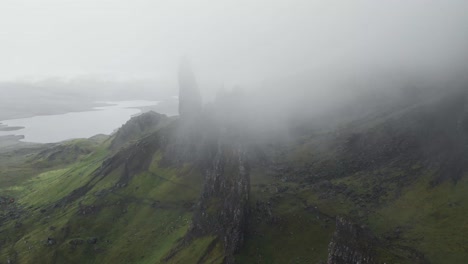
(223, 206)
(137, 127)
(351, 244)
(190, 103)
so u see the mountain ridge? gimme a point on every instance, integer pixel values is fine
(166, 190)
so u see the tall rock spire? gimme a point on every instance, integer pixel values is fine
(190, 102)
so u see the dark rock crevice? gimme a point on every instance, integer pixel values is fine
(223, 205)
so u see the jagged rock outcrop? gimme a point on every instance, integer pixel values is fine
(351, 244)
(223, 206)
(190, 102)
(138, 126)
(213, 143)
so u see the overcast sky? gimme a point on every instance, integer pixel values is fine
(235, 41)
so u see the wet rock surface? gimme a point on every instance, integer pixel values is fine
(351, 244)
(223, 206)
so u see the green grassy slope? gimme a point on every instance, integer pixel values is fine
(138, 221)
(403, 175)
(79, 202)
(291, 221)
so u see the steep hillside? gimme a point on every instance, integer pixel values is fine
(402, 175)
(385, 188)
(105, 207)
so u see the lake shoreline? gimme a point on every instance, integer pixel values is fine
(47, 112)
(10, 128)
(102, 118)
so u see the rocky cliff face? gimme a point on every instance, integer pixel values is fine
(223, 206)
(351, 244)
(138, 126)
(209, 144)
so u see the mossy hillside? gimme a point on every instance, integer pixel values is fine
(432, 219)
(16, 167)
(142, 213)
(282, 227)
(136, 223)
(53, 185)
(205, 249)
(406, 188)
(19, 165)
(298, 231)
(67, 152)
(140, 235)
(416, 218)
(415, 222)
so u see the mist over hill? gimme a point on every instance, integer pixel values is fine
(300, 131)
(378, 176)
